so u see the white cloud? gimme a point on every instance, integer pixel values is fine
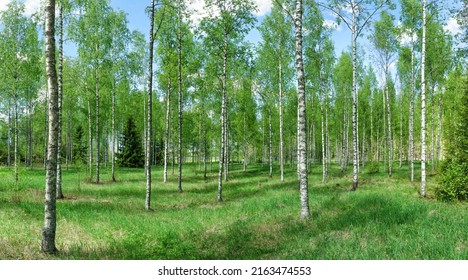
(347, 9)
(198, 10)
(263, 7)
(3, 5)
(31, 6)
(331, 24)
(453, 27)
(405, 38)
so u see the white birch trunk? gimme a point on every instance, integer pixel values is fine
(9, 134)
(150, 112)
(384, 132)
(179, 78)
(98, 142)
(60, 96)
(270, 150)
(364, 153)
(355, 131)
(432, 127)
(389, 125)
(347, 142)
(49, 229)
(223, 121)
(439, 128)
(226, 149)
(30, 135)
(90, 140)
(263, 141)
(16, 135)
(301, 117)
(423, 105)
(411, 117)
(244, 143)
(280, 74)
(327, 137)
(166, 132)
(401, 134)
(113, 136)
(324, 156)
(204, 146)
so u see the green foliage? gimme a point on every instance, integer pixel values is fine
(373, 167)
(457, 133)
(130, 150)
(453, 181)
(384, 37)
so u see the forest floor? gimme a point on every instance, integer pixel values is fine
(259, 218)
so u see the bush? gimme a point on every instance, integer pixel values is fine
(453, 181)
(373, 167)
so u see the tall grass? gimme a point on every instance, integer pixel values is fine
(259, 219)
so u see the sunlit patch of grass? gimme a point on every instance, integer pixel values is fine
(259, 218)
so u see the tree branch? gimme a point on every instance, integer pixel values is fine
(284, 9)
(367, 20)
(345, 19)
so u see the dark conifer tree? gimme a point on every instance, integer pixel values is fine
(130, 150)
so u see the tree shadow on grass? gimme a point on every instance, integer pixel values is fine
(369, 208)
(237, 241)
(248, 238)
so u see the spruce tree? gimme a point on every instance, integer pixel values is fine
(79, 148)
(130, 150)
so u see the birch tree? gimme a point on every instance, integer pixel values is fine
(385, 42)
(323, 59)
(180, 7)
(356, 14)
(20, 47)
(60, 98)
(343, 84)
(277, 39)
(167, 55)
(90, 30)
(438, 62)
(410, 20)
(223, 32)
(301, 116)
(423, 103)
(119, 69)
(150, 110)
(48, 232)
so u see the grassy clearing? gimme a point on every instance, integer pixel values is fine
(384, 219)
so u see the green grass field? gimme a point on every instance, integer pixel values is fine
(259, 218)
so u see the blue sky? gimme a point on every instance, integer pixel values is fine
(341, 35)
(138, 20)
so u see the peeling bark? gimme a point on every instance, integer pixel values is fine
(423, 106)
(179, 78)
(166, 132)
(150, 111)
(60, 96)
(49, 229)
(301, 117)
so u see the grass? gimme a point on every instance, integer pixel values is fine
(259, 218)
